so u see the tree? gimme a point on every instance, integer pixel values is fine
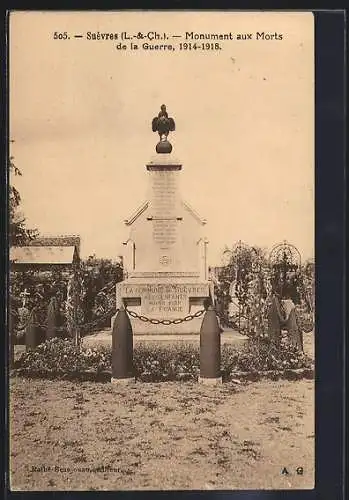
(100, 277)
(250, 274)
(18, 232)
(18, 235)
(244, 279)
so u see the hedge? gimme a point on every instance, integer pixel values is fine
(61, 358)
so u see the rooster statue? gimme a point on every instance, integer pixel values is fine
(163, 124)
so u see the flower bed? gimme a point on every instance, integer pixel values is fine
(60, 358)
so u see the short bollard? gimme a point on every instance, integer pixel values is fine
(274, 320)
(33, 332)
(210, 349)
(122, 349)
(295, 334)
(52, 319)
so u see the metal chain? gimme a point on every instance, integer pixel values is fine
(133, 314)
(108, 287)
(95, 322)
(104, 316)
(155, 321)
(58, 328)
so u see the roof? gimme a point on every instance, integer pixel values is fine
(60, 240)
(36, 255)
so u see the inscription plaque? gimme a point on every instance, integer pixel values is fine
(166, 301)
(165, 232)
(138, 290)
(164, 208)
(164, 194)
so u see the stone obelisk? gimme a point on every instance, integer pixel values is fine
(165, 259)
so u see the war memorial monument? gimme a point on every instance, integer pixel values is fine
(165, 255)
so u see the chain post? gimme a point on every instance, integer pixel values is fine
(33, 331)
(210, 349)
(122, 349)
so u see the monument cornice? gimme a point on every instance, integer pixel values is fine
(193, 212)
(162, 167)
(130, 220)
(142, 208)
(155, 275)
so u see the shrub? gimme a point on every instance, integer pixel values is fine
(261, 354)
(18, 337)
(172, 362)
(156, 362)
(60, 356)
(305, 319)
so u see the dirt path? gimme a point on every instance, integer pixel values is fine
(161, 436)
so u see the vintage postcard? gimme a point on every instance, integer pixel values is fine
(162, 283)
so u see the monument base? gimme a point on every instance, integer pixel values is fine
(166, 301)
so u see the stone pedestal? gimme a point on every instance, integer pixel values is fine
(167, 298)
(166, 263)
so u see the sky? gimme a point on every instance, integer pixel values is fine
(81, 112)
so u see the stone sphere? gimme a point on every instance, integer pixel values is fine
(163, 147)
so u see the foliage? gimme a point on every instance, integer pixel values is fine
(73, 310)
(60, 356)
(246, 281)
(259, 354)
(99, 277)
(155, 363)
(19, 234)
(92, 291)
(305, 318)
(31, 288)
(105, 270)
(308, 285)
(174, 362)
